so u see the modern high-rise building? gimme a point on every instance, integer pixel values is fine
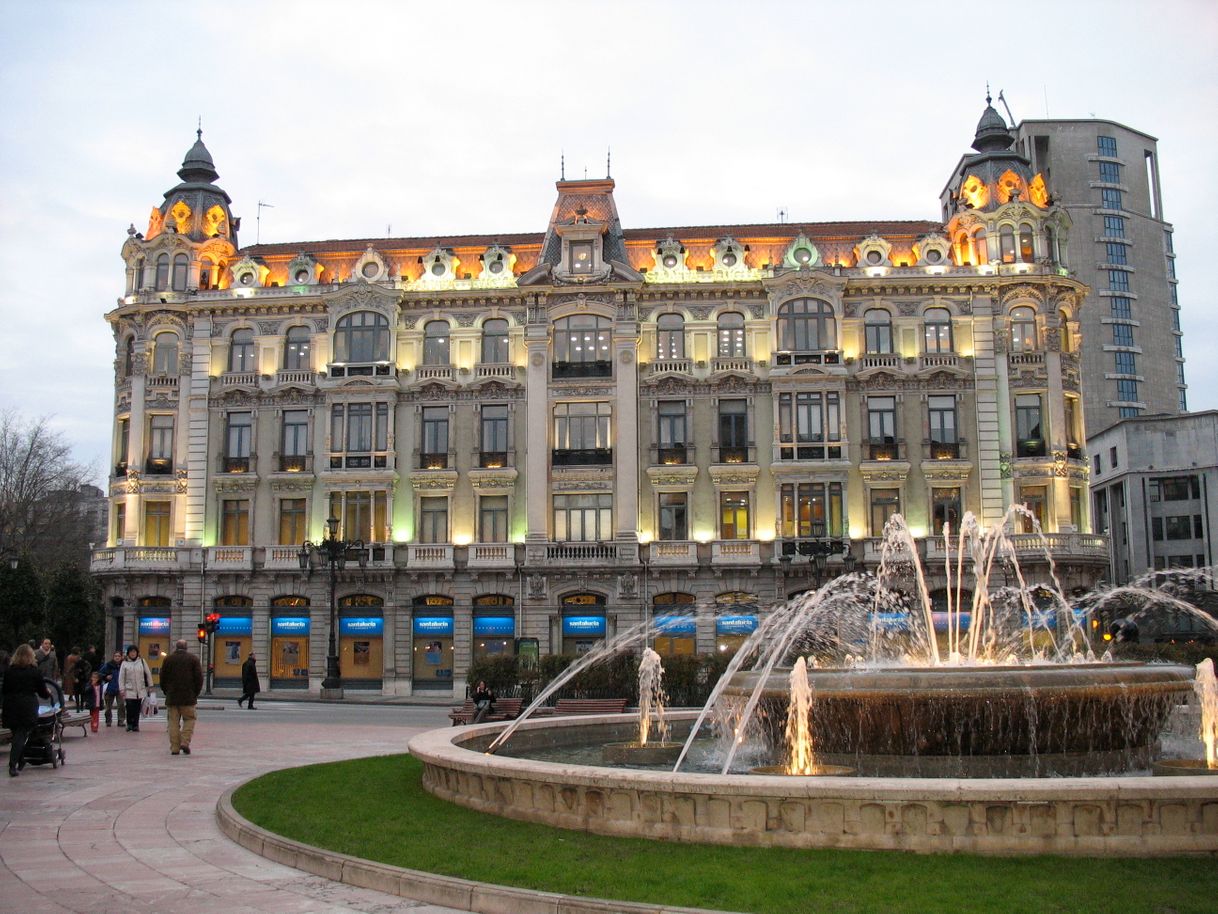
(554, 435)
(1106, 177)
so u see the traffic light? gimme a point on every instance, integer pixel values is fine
(202, 634)
(213, 619)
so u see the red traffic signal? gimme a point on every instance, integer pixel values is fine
(202, 634)
(213, 619)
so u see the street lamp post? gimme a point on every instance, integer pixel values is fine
(334, 553)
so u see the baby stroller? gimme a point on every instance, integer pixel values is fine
(45, 745)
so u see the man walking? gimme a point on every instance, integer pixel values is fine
(109, 675)
(47, 661)
(181, 681)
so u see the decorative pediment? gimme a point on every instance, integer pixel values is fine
(303, 270)
(433, 481)
(735, 476)
(817, 285)
(729, 256)
(371, 266)
(496, 482)
(498, 266)
(362, 297)
(249, 273)
(1022, 292)
(873, 251)
(801, 254)
(672, 478)
(669, 261)
(932, 250)
(886, 471)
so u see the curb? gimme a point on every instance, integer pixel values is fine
(448, 891)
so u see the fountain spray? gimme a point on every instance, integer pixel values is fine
(799, 726)
(1206, 687)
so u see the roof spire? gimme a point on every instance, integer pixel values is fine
(562, 166)
(608, 160)
(199, 132)
(988, 99)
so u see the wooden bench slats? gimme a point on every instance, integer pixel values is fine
(590, 706)
(502, 709)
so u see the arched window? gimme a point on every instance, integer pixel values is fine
(964, 249)
(581, 346)
(1063, 322)
(362, 337)
(806, 325)
(162, 272)
(981, 248)
(877, 328)
(165, 353)
(1023, 329)
(181, 268)
(128, 357)
(937, 330)
(296, 349)
(435, 343)
(494, 341)
(137, 275)
(670, 336)
(1051, 246)
(1026, 250)
(1006, 242)
(241, 351)
(731, 335)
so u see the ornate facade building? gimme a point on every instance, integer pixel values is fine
(556, 435)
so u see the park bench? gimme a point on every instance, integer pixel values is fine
(502, 709)
(590, 706)
(68, 719)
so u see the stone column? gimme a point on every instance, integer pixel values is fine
(993, 410)
(537, 427)
(626, 433)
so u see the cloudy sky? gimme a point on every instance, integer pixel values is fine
(358, 118)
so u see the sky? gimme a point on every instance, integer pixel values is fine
(366, 118)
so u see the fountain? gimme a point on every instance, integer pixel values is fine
(647, 750)
(954, 720)
(1206, 688)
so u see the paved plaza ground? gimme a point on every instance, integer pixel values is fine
(125, 826)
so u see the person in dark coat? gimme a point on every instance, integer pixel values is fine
(484, 701)
(249, 681)
(181, 681)
(23, 684)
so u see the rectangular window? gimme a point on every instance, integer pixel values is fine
(581, 256)
(945, 510)
(671, 432)
(493, 519)
(1182, 401)
(1096, 465)
(234, 522)
(1174, 488)
(1174, 293)
(359, 435)
(494, 435)
(1126, 362)
(1122, 334)
(1114, 226)
(361, 514)
(294, 451)
(1128, 412)
(156, 523)
(160, 438)
(582, 426)
(1110, 172)
(1106, 145)
(583, 518)
(122, 446)
(1115, 252)
(884, 504)
(941, 413)
(882, 428)
(1178, 527)
(1121, 307)
(1035, 499)
(1111, 198)
(240, 426)
(812, 510)
(433, 520)
(1030, 441)
(433, 453)
(1127, 390)
(674, 524)
(1179, 372)
(293, 529)
(733, 431)
(1076, 507)
(808, 420)
(1118, 281)
(120, 522)
(733, 515)
(1156, 529)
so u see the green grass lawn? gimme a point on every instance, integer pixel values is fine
(377, 809)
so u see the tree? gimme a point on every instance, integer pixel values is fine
(22, 605)
(73, 608)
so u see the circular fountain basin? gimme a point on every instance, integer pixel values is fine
(1183, 767)
(980, 721)
(1098, 816)
(818, 771)
(637, 753)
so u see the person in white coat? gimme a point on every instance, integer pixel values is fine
(134, 682)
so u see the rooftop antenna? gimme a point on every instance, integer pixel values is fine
(258, 233)
(608, 160)
(1046, 90)
(782, 215)
(562, 166)
(1010, 116)
(199, 132)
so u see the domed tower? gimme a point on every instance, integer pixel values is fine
(996, 209)
(191, 236)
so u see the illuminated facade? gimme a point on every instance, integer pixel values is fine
(556, 435)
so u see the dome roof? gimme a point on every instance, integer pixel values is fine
(198, 167)
(992, 131)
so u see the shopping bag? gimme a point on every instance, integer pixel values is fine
(150, 706)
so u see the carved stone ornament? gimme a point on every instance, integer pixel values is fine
(887, 471)
(628, 585)
(734, 476)
(1004, 464)
(1022, 292)
(236, 483)
(433, 480)
(537, 359)
(1059, 464)
(363, 297)
(672, 478)
(298, 482)
(496, 481)
(269, 328)
(801, 253)
(537, 585)
(467, 319)
(370, 267)
(873, 251)
(302, 270)
(818, 285)
(321, 324)
(133, 481)
(946, 470)
(729, 256)
(932, 250)
(701, 312)
(626, 357)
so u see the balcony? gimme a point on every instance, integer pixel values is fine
(433, 373)
(495, 460)
(673, 553)
(1027, 359)
(139, 558)
(944, 450)
(282, 558)
(732, 453)
(670, 366)
(359, 461)
(380, 555)
(295, 376)
(161, 382)
(495, 370)
(158, 466)
(672, 455)
(581, 457)
(235, 464)
(736, 552)
(1075, 452)
(810, 450)
(230, 558)
(429, 557)
(1030, 447)
(722, 363)
(884, 449)
(580, 553)
(239, 379)
(367, 370)
(437, 460)
(600, 368)
(294, 463)
(890, 360)
(812, 357)
(938, 360)
(120, 469)
(497, 556)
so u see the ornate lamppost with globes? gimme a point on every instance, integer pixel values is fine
(334, 552)
(818, 552)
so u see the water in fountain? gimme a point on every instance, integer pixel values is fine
(651, 698)
(799, 727)
(1206, 687)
